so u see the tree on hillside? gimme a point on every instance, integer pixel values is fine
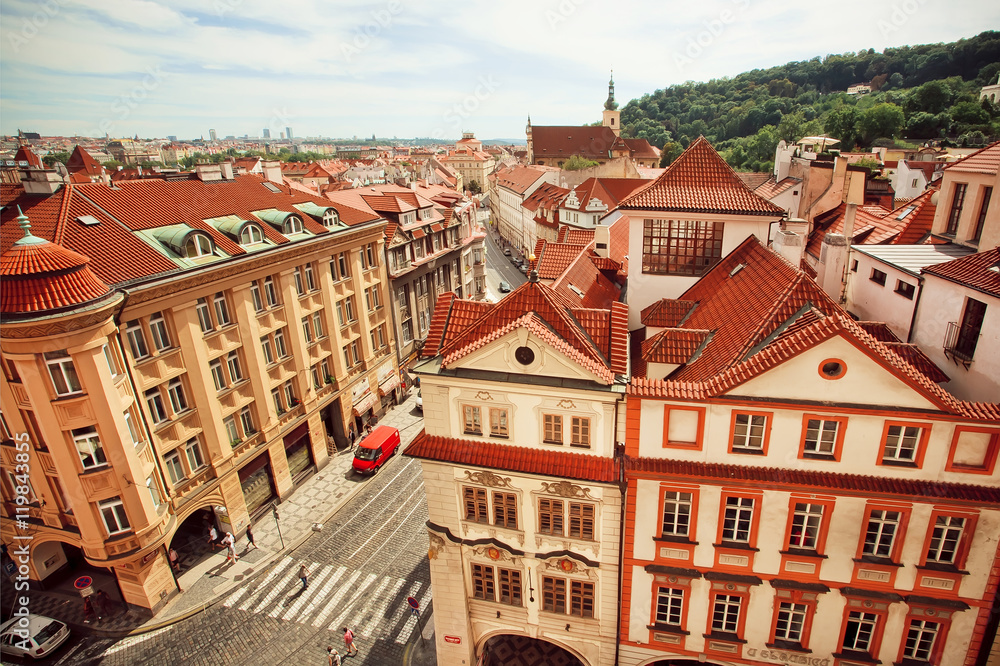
(50, 159)
(881, 121)
(671, 151)
(842, 124)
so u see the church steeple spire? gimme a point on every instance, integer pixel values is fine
(611, 104)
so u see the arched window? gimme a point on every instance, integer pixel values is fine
(251, 235)
(198, 245)
(293, 225)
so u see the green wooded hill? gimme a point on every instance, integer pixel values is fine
(919, 93)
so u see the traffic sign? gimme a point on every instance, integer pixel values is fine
(83, 582)
(414, 604)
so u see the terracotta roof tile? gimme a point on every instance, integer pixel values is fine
(26, 154)
(700, 181)
(81, 160)
(588, 141)
(673, 345)
(986, 160)
(773, 477)
(980, 271)
(554, 258)
(512, 458)
(666, 312)
(879, 330)
(919, 360)
(753, 179)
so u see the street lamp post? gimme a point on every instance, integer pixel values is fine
(274, 511)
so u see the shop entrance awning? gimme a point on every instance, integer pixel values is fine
(388, 385)
(366, 403)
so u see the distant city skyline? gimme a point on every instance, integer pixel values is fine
(413, 69)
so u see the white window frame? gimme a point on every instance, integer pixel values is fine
(258, 299)
(192, 451)
(136, 340)
(87, 438)
(317, 322)
(739, 510)
(731, 607)
(310, 278)
(246, 422)
(669, 606)
(819, 444)
(218, 376)
(221, 309)
(946, 539)
(172, 461)
(270, 292)
(204, 316)
(178, 400)
(62, 372)
(902, 443)
(791, 621)
(677, 504)
(233, 365)
(749, 431)
(158, 329)
(154, 402)
(885, 526)
(265, 346)
(279, 343)
(807, 519)
(114, 508)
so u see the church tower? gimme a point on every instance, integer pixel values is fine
(527, 132)
(612, 116)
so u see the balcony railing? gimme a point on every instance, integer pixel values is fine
(960, 342)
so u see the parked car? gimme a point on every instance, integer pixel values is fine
(523, 268)
(420, 400)
(504, 286)
(506, 252)
(38, 639)
(375, 449)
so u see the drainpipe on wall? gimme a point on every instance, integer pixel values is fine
(623, 489)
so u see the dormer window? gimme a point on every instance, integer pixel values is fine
(330, 218)
(292, 225)
(251, 235)
(198, 245)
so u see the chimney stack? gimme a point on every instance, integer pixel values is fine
(602, 240)
(272, 170)
(790, 240)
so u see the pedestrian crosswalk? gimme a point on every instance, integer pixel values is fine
(373, 606)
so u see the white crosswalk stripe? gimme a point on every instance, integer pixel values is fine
(350, 598)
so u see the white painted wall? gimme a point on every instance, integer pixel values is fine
(871, 301)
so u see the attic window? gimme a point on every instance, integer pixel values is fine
(576, 290)
(330, 218)
(906, 211)
(292, 225)
(251, 235)
(274, 188)
(88, 220)
(198, 245)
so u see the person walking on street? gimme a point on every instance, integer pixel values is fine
(213, 537)
(332, 656)
(229, 541)
(353, 435)
(349, 640)
(89, 612)
(103, 603)
(250, 537)
(175, 560)
(304, 576)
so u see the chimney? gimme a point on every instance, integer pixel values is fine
(208, 172)
(272, 170)
(790, 240)
(602, 239)
(227, 170)
(41, 181)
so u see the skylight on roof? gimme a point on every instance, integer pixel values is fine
(271, 186)
(88, 220)
(906, 211)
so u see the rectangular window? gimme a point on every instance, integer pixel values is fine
(270, 293)
(340, 313)
(737, 519)
(881, 533)
(748, 432)
(234, 435)
(669, 606)
(945, 539)
(154, 401)
(550, 517)
(581, 599)
(901, 443)
(498, 423)
(967, 337)
(133, 429)
(905, 289)
(290, 398)
(193, 451)
(726, 613)
(505, 510)
(878, 277)
(233, 363)
(676, 513)
(859, 631)
(977, 233)
(279, 406)
(356, 352)
(279, 343)
(113, 513)
(246, 420)
(955, 214)
(790, 623)
(265, 345)
(63, 373)
(218, 377)
(204, 316)
(821, 437)
(158, 329)
(88, 446)
(552, 429)
(317, 378)
(349, 307)
(258, 300)
(581, 521)
(343, 266)
(109, 358)
(154, 492)
(553, 594)
(136, 340)
(299, 288)
(221, 309)
(475, 504)
(920, 639)
(806, 522)
(307, 329)
(317, 320)
(364, 260)
(580, 431)
(174, 470)
(510, 587)
(482, 582)
(473, 420)
(370, 252)
(175, 391)
(680, 247)
(310, 278)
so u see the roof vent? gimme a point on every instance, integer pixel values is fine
(88, 220)
(533, 276)
(737, 269)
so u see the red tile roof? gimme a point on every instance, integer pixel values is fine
(873, 225)
(507, 457)
(26, 154)
(588, 141)
(919, 360)
(879, 330)
(772, 477)
(81, 160)
(700, 181)
(754, 179)
(977, 271)
(519, 178)
(608, 190)
(575, 236)
(554, 258)
(673, 345)
(771, 188)
(666, 313)
(986, 160)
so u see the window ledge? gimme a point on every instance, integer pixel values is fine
(818, 456)
(103, 467)
(899, 463)
(801, 552)
(881, 561)
(788, 645)
(668, 538)
(668, 628)
(724, 637)
(941, 567)
(737, 546)
(854, 655)
(754, 452)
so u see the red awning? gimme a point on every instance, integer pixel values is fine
(366, 403)
(388, 385)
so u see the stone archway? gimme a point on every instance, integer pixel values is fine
(515, 650)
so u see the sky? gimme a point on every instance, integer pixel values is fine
(407, 68)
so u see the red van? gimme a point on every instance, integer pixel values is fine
(375, 449)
